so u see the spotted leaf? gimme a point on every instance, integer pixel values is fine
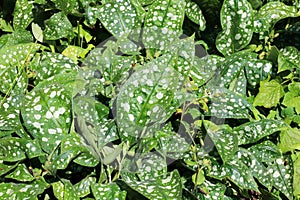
(58, 26)
(146, 100)
(281, 172)
(213, 190)
(47, 116)
(167, 186)
(67, 6)
(22, 190)
(64, 190)
(265, 151)
(194, 13)
(108, 191)
(224, 103)
(257, 70)
(252, 132)
(237, 24)
(270, 14)
(225, 141)
(163, 23)
(127, 18)
(21, 173)
(288, 59)
(83, 187)
(23, 15)
(48, 64)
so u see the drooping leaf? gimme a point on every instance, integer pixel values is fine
(83, 187)
(269, 94)
(257, 70)
(67, 6)
(237, 23)
(151, 167)
(265, 151)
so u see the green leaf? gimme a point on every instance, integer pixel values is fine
(47, 116)
(23, 15)
(108, 191)
(257, 70)
(252, 132)
(282, 173)
(83, 187)
(7, 166)
(292, 98)
(227, 104)
(22, 190)
(163, 23)
(296, 182)
(21, 173)
(67, 6)
(265, 151)
(37, 32)
(64, 190)
(225, 141)
(146, 100)
(288, 59)
(167, 186)
(289, 140)
(194, 13)
(48, 64)
(237, 25)
(269, 94)
(213, 190)
(271, 13)
(58, 26)
(121, 17)
(5, 26)
(151, 167)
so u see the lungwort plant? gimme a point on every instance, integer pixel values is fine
(171, 99)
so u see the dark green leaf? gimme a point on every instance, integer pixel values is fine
(23, 15)
(108, 191)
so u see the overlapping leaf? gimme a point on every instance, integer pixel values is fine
(288, 59)
(194, 13)
(108, 191)
(23, 14)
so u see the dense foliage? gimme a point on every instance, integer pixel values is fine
(149, 99)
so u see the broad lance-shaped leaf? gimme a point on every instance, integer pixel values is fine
(58, 26)
(16, 149)
(269, 94)
(281, 172)
(225, 141)
(83, 187)
(47, 116)
(296, 182)
(237, 172)
(194, 13)
(163, 23)
(64, 190)
(271, 13)
(251, 132)
(146, 100)
(265, 151)
(108, 191)
(257, 70)
(21, 173)
(48, 64)
(288, 59)
(23, 14)
(23, 190)
(120, 17)
(227, 104)
(214, 190)
(237, 24)
(168, 186)
(12, 60)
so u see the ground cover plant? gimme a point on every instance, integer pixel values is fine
(171, 99)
